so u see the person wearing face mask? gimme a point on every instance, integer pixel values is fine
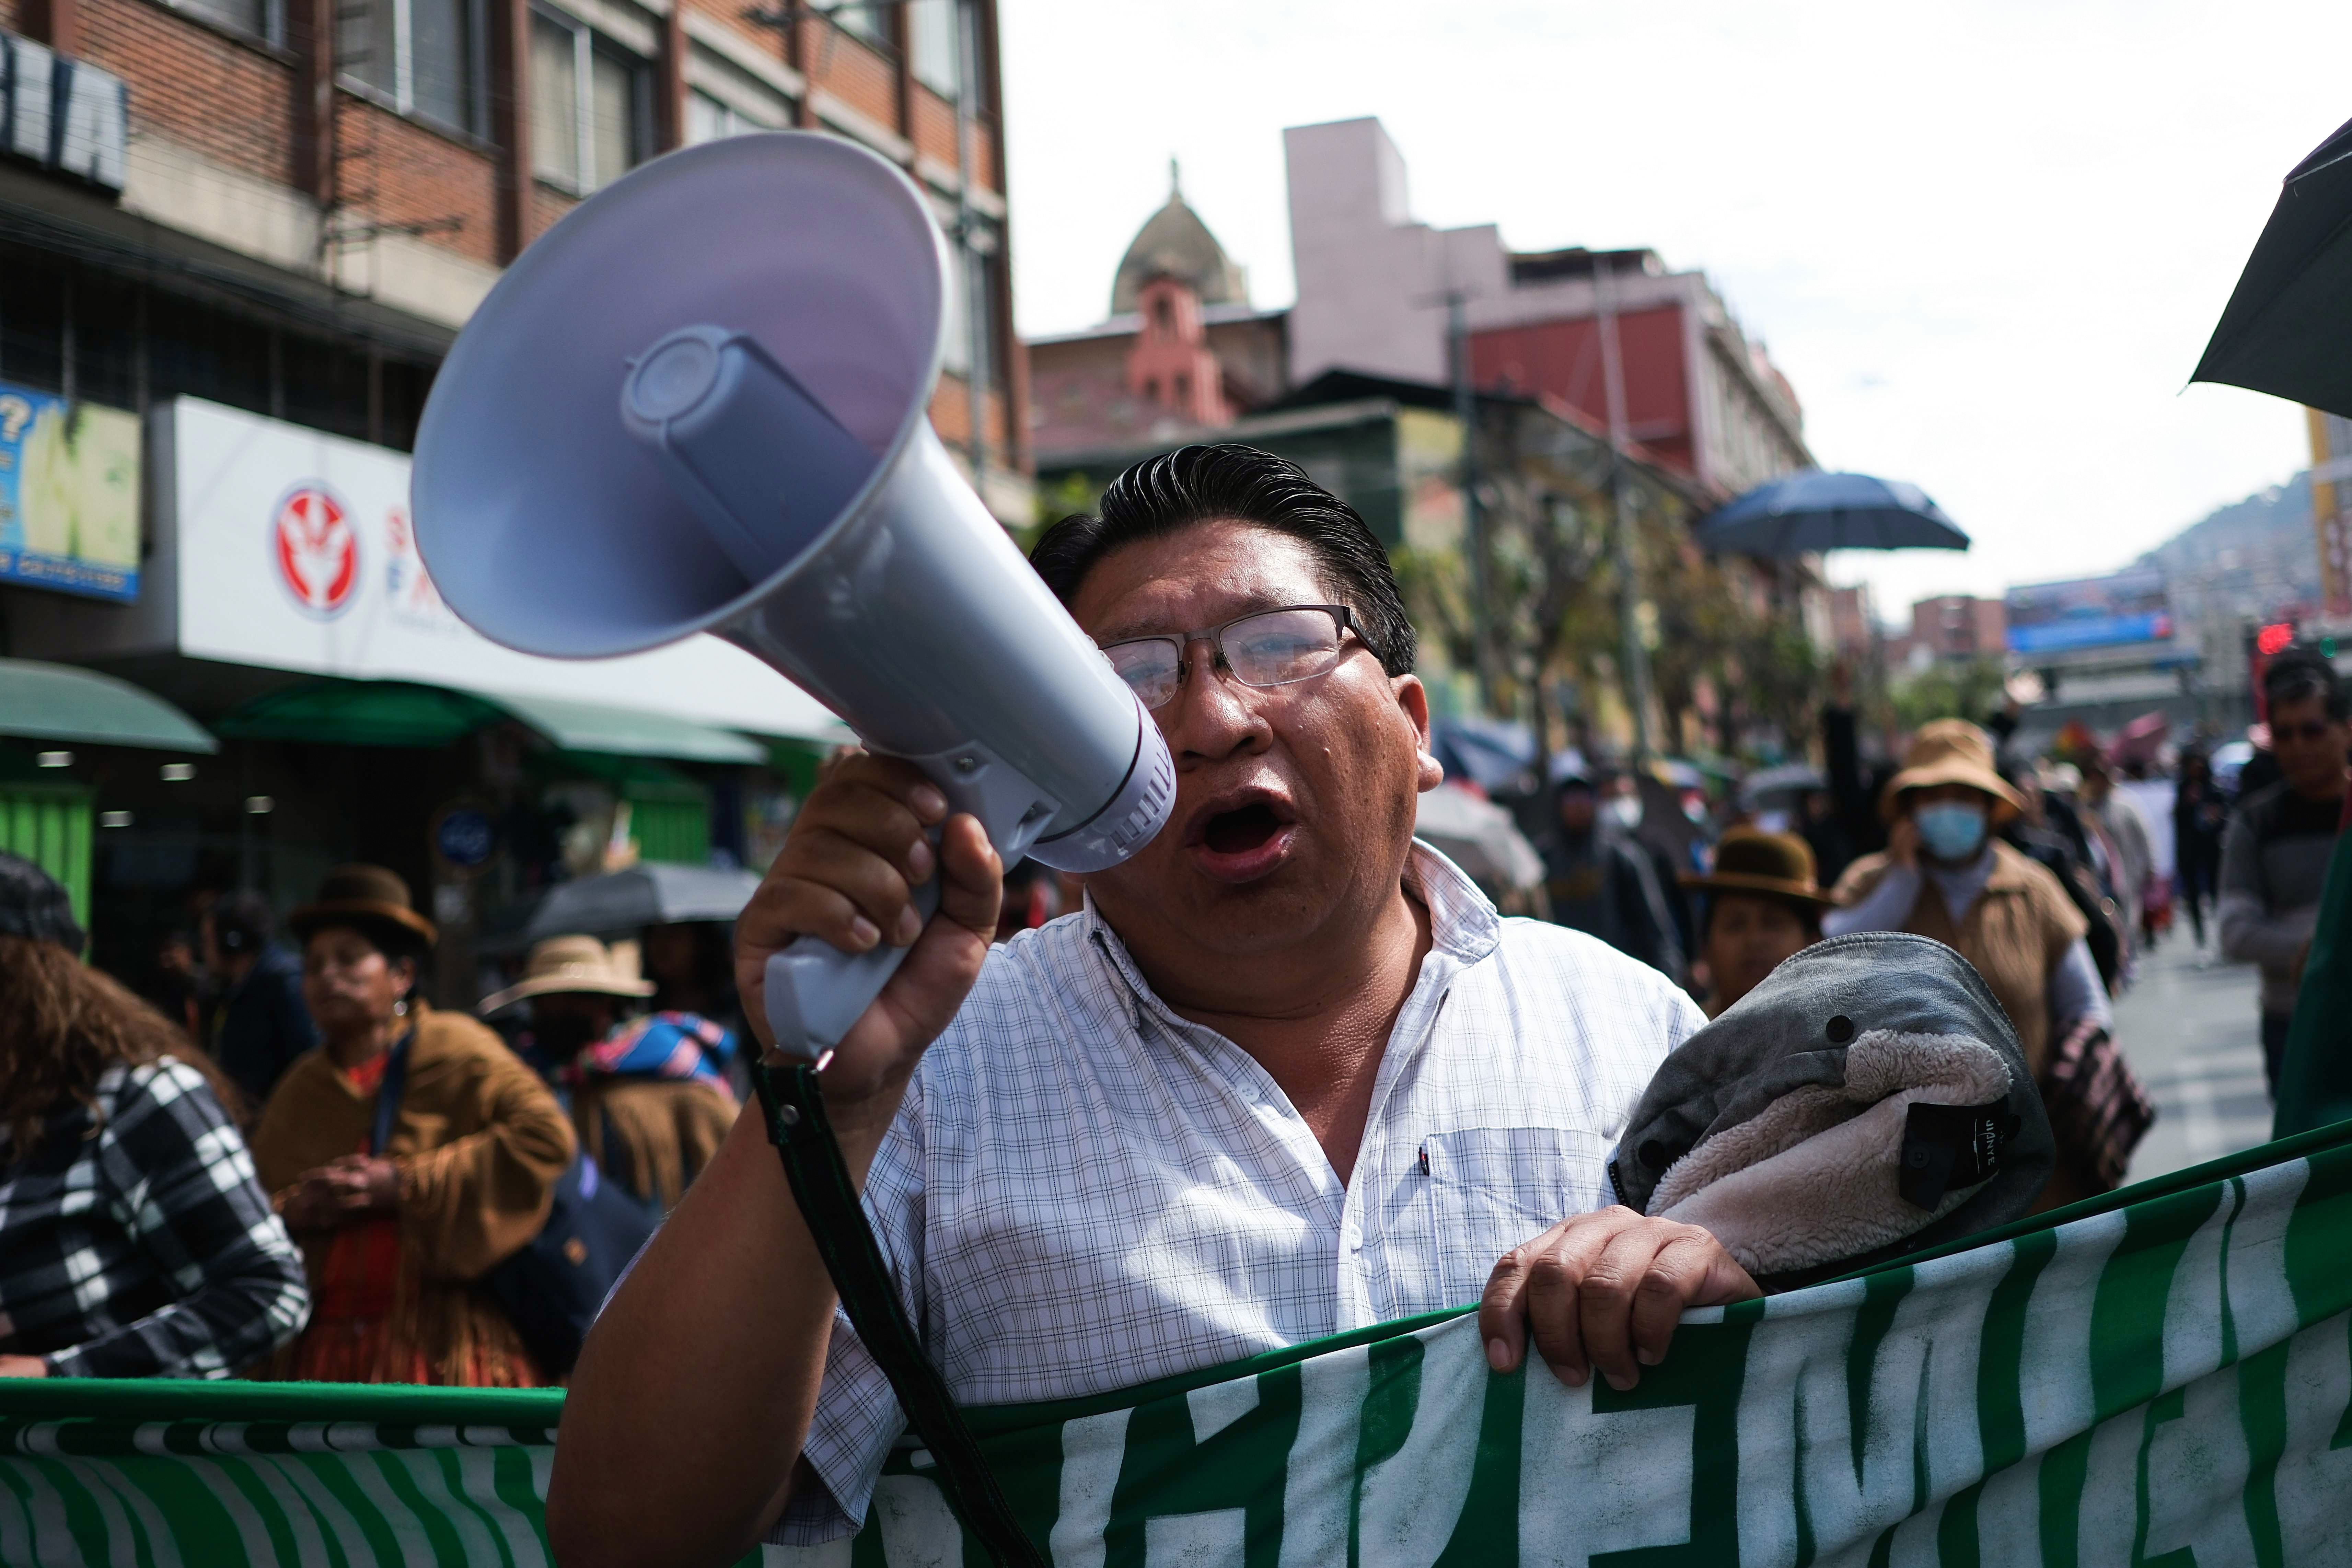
(410, 1154)
(647, 1093)
(1599, 880)
(1945, 875)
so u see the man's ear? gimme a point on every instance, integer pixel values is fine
(1413, 701)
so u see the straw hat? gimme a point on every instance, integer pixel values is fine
(1949, 752)
(571, 964)
(371, 898)
(1751, 860)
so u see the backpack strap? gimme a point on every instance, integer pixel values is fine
(795, 1107)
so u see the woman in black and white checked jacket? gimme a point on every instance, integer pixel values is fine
(134, 1238)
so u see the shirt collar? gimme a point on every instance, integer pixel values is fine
(1463, 923)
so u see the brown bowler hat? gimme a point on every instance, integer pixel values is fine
(1947, 752)
(1751, 860)
(372, 898)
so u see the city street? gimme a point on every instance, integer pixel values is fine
(2189, 1032)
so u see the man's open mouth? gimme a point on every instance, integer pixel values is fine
(1241, 835)
(1239, 831)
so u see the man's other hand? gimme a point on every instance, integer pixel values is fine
(846, 873)
(1604, 1289)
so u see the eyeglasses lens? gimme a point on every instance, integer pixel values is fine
(1152, 669)
(1282, 646)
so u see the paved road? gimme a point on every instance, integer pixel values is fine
(2188, 1029)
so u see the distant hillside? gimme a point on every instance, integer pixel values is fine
(2279, 515)
(2252, 558)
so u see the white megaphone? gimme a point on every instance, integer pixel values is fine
(701, 402)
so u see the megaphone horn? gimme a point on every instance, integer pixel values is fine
(699, 402)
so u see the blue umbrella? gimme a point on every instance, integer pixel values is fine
(1810, 510)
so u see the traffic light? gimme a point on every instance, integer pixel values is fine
(2273, 640)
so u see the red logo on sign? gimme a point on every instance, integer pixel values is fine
(318, 551)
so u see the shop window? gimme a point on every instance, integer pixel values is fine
(323, 385)
(589, 105)
(105, 339)
(194, 349)
(32, 321)
(423, 57)
(935, 44)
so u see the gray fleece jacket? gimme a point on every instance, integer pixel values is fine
(1867, 1100)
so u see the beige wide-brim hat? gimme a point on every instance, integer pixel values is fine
(1950, 752)
(574, 965)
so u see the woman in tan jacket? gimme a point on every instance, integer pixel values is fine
(1945, 875)
(398, 1231)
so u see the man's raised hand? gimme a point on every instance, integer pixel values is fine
(1603, 1290)
(846, 872)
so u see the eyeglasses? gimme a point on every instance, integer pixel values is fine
(1272, 648)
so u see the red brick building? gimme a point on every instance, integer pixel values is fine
(315, 194)
(236, 239)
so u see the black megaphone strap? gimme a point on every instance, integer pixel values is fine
(797, 1126)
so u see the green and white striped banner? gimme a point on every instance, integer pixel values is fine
(2164, 1381)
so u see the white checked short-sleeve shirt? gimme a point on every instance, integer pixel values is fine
(1084, 1192)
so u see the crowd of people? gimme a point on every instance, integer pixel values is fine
(298, 1167)
(310, 1173)
(332, 1173)
(2053, 873)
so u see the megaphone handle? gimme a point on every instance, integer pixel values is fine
(815, 990)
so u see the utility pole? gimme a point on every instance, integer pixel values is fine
(1474, 516)
(1631, 652)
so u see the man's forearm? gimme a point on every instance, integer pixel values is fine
(695, 1391)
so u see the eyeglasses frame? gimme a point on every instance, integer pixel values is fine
(1215, 637)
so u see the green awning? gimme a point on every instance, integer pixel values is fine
(362, 713)
(60, 703)
(630, 731)
(403, 714)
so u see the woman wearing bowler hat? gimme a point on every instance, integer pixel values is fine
(1762, 905)
(410, 1154)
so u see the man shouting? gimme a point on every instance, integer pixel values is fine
(1288, 1073)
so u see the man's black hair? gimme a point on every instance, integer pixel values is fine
(1202, 484)
(241, 922)
(2301, 672)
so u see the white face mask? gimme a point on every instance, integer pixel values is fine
(1624, 810)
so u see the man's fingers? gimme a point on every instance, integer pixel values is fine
(1605, 1305)
(1677, 1278)
(875, 819)
(971, 888)
(826, 863)
(1556, 1285)
(1502, 1322)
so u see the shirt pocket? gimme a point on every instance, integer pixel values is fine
(1486, 1190)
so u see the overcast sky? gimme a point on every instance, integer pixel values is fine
(1987, 242)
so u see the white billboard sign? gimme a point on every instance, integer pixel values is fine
(294, 553)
